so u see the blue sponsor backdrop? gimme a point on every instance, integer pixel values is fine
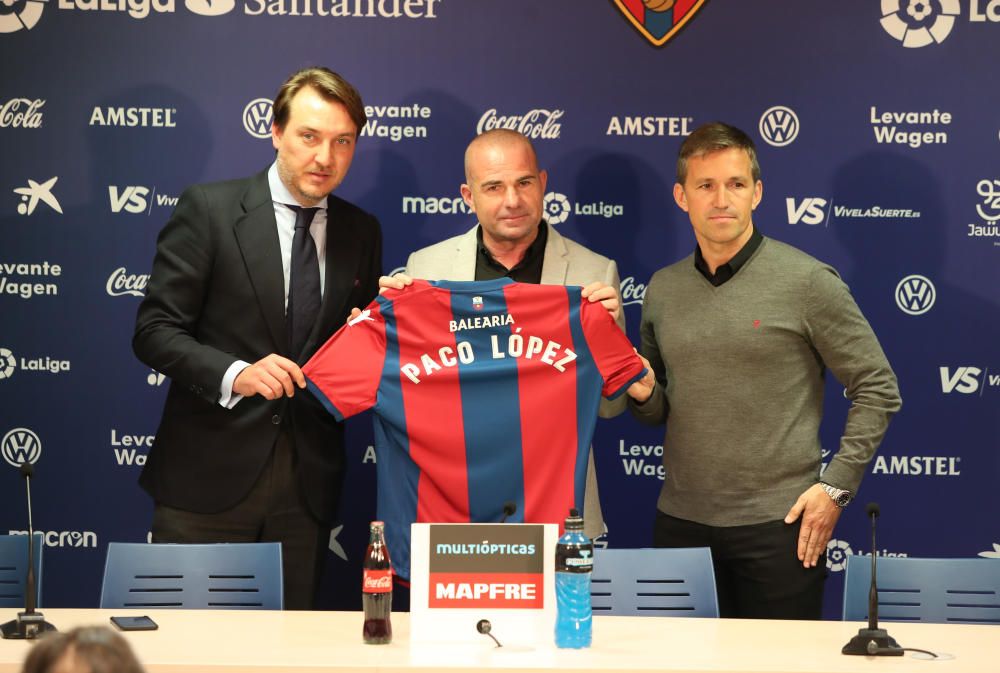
(879, 156)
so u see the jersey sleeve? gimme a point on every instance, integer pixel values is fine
(611, 350)
(345, 372)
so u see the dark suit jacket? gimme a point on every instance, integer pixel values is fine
(216, 295)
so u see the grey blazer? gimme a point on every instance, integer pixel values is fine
(565, 263)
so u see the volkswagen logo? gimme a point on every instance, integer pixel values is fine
(20, 446)
(915, 295)
(257, 118)
(779, 126)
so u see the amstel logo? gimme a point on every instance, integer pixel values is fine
(659, 20)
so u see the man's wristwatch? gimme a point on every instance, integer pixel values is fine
(840, 497)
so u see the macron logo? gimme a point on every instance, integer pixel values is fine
(361, 317)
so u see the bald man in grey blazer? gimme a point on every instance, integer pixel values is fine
(505, 189)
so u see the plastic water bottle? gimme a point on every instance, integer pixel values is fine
(574, 562)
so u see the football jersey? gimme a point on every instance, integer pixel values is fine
(483, 393)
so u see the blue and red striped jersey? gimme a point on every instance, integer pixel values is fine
(483, 392)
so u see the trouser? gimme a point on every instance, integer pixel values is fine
(757, 571)
(273, 511)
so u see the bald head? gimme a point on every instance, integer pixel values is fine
(503, 139)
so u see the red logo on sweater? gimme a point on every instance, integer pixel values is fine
(756, 324)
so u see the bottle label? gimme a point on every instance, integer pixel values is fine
(377, 582)
(585, 562)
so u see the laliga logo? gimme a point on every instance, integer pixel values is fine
(20, 446)
(910, 25)
(915, 295)
(556, 207)
(779, 126)
(257, 117)
(837, 552)
(8, 363)
(26, 18)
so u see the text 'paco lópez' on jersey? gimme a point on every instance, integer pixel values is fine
(483, 392)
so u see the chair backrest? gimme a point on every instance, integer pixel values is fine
(14, 570)
(961, 590)
(654, 582)
(193, 576)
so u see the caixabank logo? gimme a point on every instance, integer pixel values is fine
(658, 20)
(922, 23)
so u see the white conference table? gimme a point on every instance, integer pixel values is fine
(221, 641)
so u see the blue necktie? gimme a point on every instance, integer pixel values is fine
(303, 285)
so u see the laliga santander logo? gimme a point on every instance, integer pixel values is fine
(12, 20)
(556, 207)
(837, 553)
(918, 23)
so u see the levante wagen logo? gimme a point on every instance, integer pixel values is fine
(659, 20)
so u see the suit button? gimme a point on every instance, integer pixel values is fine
(276, 419)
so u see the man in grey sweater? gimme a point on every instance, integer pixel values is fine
(739, 336)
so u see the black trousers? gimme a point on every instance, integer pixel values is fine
(273, 511)
(757, 572)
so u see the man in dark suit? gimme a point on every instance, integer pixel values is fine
(250, 277)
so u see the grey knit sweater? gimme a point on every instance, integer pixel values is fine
(740, 371)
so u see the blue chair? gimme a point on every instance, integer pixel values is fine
(961, 590)
(14, 570)
(654, 582)
(193, 576)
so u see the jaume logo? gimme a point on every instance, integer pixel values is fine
(394, 129)
(537, 123)
(121, 283)
(988, 210)
(35, 193)
(257, 117)
(20, 446)
(816, 210)
(13, 21)
(779, 126)
(918, 23)
(838, 551)
(915, 295)
(658, 20)
(66, 538)
(557, 208)
(642, 460)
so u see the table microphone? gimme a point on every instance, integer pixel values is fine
(509, 508)
(484, 627)
(873, 641)
(29, 624)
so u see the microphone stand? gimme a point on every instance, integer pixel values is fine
(29, 624)
(873, 641)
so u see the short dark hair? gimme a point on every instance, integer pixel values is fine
(96, 649)
(713, 137)
(329, 85)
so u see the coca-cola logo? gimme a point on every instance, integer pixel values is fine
(631, 291)
(538, 123)
(22, 113)
(121, 283)
(377, 581)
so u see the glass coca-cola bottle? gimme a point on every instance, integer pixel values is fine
(376, 588)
